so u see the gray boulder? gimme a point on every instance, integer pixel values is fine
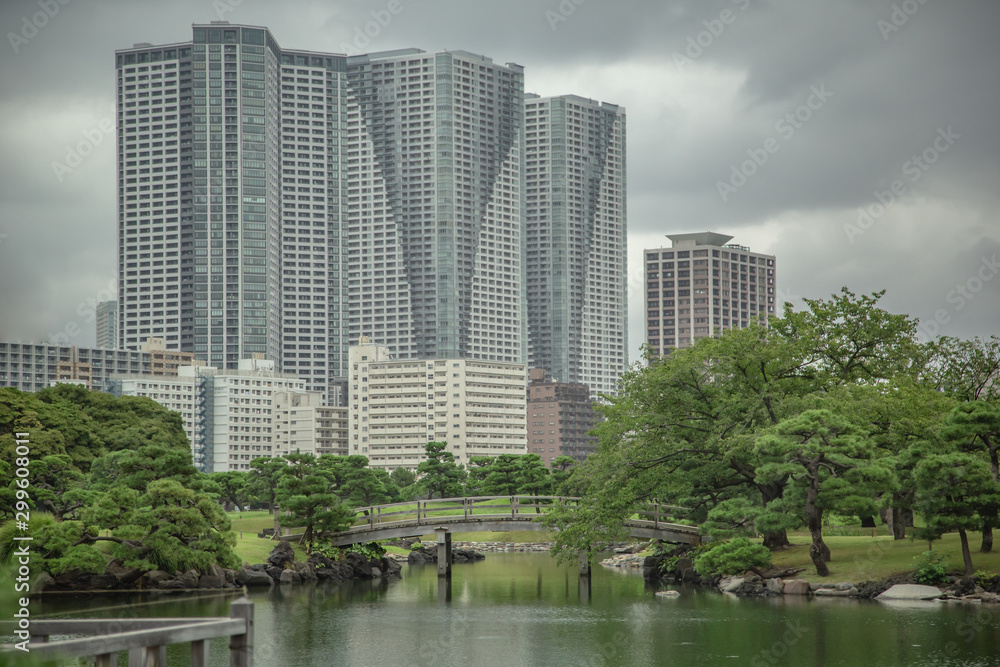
(306, 571)
(290, 577)
(154, 578)
(796, 587)
(281, 555)
(124, 575)
(910, 592)
(42, 582)
(732, 585)
(250, 577)
(214, 578)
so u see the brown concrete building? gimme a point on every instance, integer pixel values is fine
(559, 416)
(703, 285)
(166, 362)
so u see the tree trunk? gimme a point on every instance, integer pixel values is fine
(818, 551)
(987, 545)
(897, 524)
(277, 522)
(773, 539)
(966, 554)
(776, 539)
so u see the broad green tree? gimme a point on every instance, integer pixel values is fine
(263, 480)
(306, 491)
(165, 527)
(561, 469)
(533, 478)
(974, 426)
(438, 474)
(954, 491)
(233, 487)
(833, 464)
(684, 429)
(503, 478)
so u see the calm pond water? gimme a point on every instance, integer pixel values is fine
(523, 609)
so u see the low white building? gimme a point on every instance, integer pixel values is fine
(396, 407)
(234, 416)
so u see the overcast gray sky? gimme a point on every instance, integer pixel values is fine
(777, 122)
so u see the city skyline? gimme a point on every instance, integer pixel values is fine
(847, 161)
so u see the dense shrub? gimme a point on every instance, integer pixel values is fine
(733, 557)
(930, 567)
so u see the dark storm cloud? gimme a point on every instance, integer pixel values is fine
(706, 84)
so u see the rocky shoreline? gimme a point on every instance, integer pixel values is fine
(280, 568)
(775, 582)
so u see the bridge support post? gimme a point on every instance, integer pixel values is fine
(444, 552)
(584, 564)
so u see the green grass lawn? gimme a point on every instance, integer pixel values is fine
(860, 558)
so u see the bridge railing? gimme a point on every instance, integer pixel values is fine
(524, 507)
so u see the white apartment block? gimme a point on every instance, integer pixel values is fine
(397, 406)
(703, 285)
(186, 394)
(229, 415)
(303, 424)
(576, 240)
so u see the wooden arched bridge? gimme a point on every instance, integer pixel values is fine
(491, 514)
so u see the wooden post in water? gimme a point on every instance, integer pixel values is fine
(585, 565)
(241, 646)
(444, 551)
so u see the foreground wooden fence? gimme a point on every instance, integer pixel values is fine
(145, 639)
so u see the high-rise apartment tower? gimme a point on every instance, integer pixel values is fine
(434, 206)
(575, 240)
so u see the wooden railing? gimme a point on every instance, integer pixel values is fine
(145, 639)
(522, 507)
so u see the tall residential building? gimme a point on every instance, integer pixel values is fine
(397, 406)
(229, 200)
(313, 237)
(560, 415)
(575, 239)
(107, 330)
(434, 205)
(702, 285)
